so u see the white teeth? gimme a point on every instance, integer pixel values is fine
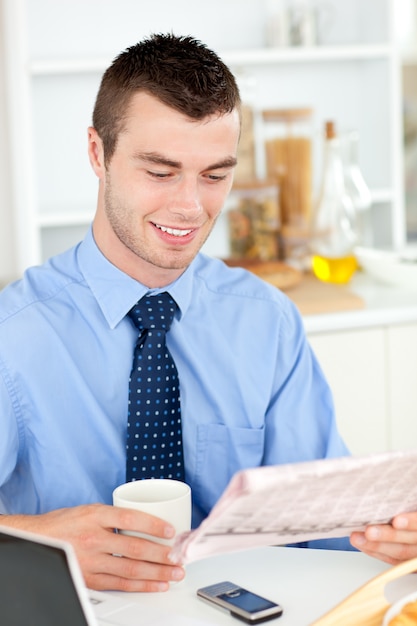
(174, 231)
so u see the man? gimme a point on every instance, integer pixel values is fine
(163, 146)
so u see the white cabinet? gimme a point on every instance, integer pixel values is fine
(57, 51)
(373, 376)
(354, 364)
(402, 376)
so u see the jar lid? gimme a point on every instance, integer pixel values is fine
(255, 183)
(286, 115)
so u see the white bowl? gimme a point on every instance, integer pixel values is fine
(393, 268)
(396, 608)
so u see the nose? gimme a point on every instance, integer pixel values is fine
(186, 199)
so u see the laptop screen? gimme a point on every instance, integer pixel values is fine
(36, 586)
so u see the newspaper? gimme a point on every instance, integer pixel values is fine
(281, 504)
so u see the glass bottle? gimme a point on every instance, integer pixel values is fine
(334, 235)
(357, 188)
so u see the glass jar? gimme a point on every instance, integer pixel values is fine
(254, 222)
(288, 154)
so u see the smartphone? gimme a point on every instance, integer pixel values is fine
(240, 602)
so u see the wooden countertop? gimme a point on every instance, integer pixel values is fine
(313, 296)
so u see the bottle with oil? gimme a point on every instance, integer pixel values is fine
(334, 235)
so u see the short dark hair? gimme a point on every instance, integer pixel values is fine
(181, 72)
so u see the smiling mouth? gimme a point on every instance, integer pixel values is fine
(176, 232)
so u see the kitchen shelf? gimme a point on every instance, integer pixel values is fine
(75, 218)
(261, 56)
(68, 66)
(310, 54)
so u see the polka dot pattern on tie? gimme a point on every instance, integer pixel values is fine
(154, 435)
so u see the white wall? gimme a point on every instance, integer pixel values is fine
(8, 261)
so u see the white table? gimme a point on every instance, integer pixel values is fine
(307, 583)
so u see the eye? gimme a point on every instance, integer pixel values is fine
(217, 177)
(158, 174)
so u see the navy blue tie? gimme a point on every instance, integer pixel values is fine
(154, 435)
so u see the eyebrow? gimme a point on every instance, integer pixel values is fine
(159, 159)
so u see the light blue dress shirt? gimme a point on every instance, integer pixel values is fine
(252, 392)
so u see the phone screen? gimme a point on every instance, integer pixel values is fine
(247, 601)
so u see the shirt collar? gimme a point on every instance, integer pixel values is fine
(116, 292)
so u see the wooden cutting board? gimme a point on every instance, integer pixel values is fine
(276, 273)
(313, 296)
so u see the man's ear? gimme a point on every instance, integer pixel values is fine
(96, 152)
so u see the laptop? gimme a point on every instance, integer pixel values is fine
(41, 584)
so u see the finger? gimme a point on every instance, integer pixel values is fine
(405, 521)
(390, 552)
(359, 541)
(135, 571)
(386, 533)
(105, 581)
(381, 556)
(130, 519)
(89, 524)
(140, 549)
(144, 570)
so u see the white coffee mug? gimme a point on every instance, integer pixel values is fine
(165, 498)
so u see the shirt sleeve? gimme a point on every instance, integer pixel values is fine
(300, 422)
(9, 440)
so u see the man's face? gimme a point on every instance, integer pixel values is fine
(164, 188)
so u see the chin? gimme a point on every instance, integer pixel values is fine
(178, 260)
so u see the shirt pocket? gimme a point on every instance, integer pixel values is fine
(221, 452)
